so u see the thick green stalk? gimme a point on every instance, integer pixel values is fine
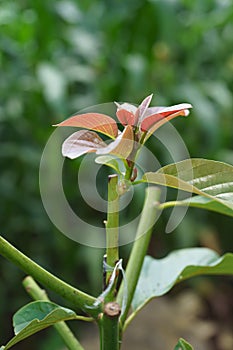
(112, 224)
(110, 327)
(133, 269)
(109, 322)
(66, 334)
(77, 297)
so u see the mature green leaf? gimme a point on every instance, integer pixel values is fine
(158, 276)
(36, 316)
(183, 345)
(212, 181)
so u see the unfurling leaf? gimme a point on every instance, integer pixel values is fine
(143, 108)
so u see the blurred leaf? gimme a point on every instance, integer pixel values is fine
(211, 180)
(158, 276)
(68, 10)
(36, 316)
(219, 92)
(53, 81)
(85, 44)
(183, 345)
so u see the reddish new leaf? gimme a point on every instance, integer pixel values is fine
(125, 117)
(81, 142)
(93, 121)
(127, 114)
(153, 122)
(167, 110)
(144, 106)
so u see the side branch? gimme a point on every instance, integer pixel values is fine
(74, 295)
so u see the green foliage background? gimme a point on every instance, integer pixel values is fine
(57, 57)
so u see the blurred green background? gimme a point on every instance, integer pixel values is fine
(57, 57)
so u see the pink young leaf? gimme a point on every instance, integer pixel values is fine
(164, 113)
(93, 121)
(162, 121)
(144, 106)
(152, 110)
(126, 114)
(169, 110)
(122, 146)
(125, 117)
(81, 142)
(129, 107)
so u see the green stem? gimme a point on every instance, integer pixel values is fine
(109, 322)
(143, 137)
(66, 334)
(110, 327)
(133, 269)
(77, 297)
(129, 171)
(112, 224)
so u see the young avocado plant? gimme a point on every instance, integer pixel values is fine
(144, 277)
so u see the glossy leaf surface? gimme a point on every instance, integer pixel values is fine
(212, 181)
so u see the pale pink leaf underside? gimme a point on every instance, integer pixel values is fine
(81, 142)
(144, 106)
